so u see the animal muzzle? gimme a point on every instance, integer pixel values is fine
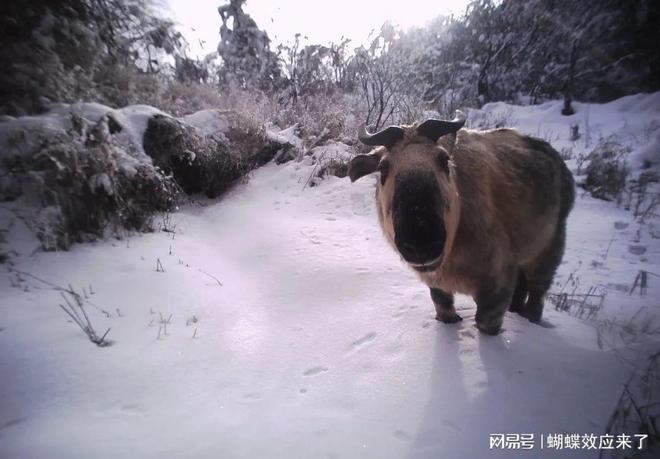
(419, 230)
(421, 248)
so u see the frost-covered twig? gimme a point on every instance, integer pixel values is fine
(637, 407)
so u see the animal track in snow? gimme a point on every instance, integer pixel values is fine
(251, 397)
(401, 435)
(451, 424)
(314, 239)
(467, 334)
(314, 371)
(403, 310)
(362, 270)
(132, 408)
(369, 337)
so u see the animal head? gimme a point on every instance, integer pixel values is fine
(416, 195)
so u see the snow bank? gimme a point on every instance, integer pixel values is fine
(98, 151)
(80, 170)
(58, 120)
(635, 120)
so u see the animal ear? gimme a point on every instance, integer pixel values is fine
(363, 165)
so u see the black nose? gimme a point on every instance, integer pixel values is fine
(420, 251)
(419, 231)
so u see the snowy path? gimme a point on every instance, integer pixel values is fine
(320, 343)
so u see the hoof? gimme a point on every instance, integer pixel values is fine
(516, 308)
(449, 318)
(489, 329)
(533, 318)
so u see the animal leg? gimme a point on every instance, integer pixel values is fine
(444, 306)
(539, 279)
(519, 295)
(492, 303)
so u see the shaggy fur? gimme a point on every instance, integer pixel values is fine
(505, 200)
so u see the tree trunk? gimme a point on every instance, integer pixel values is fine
(568, 85)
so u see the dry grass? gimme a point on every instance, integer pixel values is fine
(75, 303)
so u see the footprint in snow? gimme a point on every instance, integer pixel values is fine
(369, 337)
(451, 424)
(12, 422)
(315, 371)
(403, 310)
(401, 435)
(467, 334)
(251, 397)
(132, 408)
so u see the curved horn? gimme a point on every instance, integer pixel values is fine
(387, 137)
(434, 129)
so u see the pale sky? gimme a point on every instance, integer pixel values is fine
(321, 21)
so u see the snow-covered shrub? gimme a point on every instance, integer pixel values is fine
(256, 107)
(74, 185)
(119, 86)
(493, 116)
(643, 194)
(250, 141)
(180, 99)
(638, 408)
(566, 153)
(331, 160)
(211, 150)
(610, 174)
(317, 118)
(199, 163)
(607, 171)
(322, 118)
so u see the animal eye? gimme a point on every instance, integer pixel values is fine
(384, 169)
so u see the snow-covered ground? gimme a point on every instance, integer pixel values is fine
(319, 342)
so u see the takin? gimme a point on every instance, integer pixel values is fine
(482, 213)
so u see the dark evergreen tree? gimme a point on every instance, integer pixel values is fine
(64, 51)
